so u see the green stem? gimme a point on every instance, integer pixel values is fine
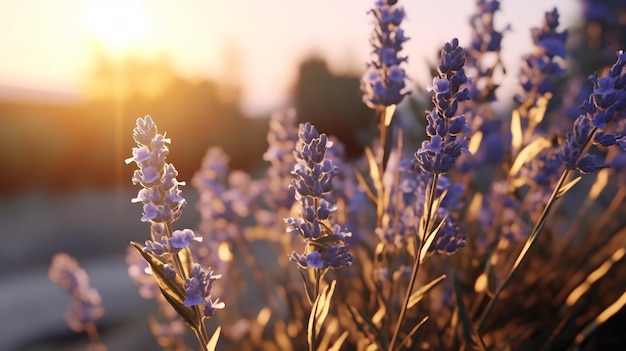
(380, 160)
(430, 198)
(200, 329)
(380, 157)
(92, 333)
(534, 235)
(316, 289)
(536, 231)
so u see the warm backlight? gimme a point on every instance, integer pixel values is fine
(118, 24)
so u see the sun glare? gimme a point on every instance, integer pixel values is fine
(118, 24)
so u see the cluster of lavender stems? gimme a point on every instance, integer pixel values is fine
(438, 155)
(384, 84)
(325, 242)
(603, 109)
(303, 171)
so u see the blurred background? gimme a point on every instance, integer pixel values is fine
(75, 75)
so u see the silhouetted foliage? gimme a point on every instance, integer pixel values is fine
(58, 147)
(334, 104)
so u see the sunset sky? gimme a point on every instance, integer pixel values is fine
(47, 45)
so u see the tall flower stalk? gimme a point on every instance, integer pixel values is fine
(184, 284)
(538, 75)
(325, 247)
(384, 84)
(438, 155)
(484, 61)
(282, 136)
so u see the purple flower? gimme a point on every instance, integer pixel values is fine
(160, 195)
(85, 304)
(542, 172)
(313, 183)
(141, 274)
(445, 130)
(198, 285)
(449, 239)
(383, 84)
(336, 256)
(331, 256)
(67, 274)
(182, 238)
(215, 209)
(158, 248)
(485, 41)
(485, 38)
(604, 34)
(345, 190)
(440, 86)
(415, 184)
(193, 295)
(604, 107)
(281, 137)
(548, 38)
(314, 260)
(434, 146)
(211, 306)
(163, 204)
(544, 169)
(539, 69)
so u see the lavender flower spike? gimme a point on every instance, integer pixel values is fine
(168, 252)
(605, 107)
(384, 82)
(313, 182)
(540, 69)
(85, 307)
(281, 137)
(446, 131)
(161, 198)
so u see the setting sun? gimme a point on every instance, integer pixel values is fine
(117, 24)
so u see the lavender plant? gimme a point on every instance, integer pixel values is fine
(384, 82)
(437, 157)
(325, 245)
(384, 85)
(538, 75)
(484, 53)
(604, 105)
(183, 283)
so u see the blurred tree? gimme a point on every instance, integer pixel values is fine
(333, 103)
(59, 147)
(600, 34)
(196, 113)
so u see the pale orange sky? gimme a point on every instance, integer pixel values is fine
(46, 44)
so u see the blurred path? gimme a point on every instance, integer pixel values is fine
(34, 226)
(32, 307)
